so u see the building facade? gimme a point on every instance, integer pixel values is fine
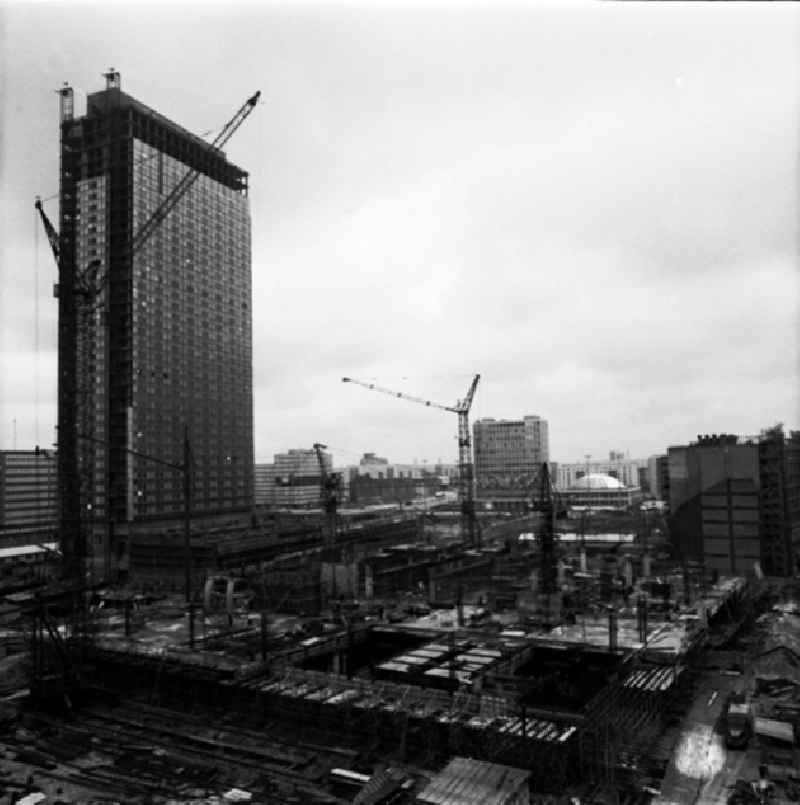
(658, 477)
(644, 481)
(264, 484)
(735, 502)
(163, 359)
(297, 478)
(374, 466)
(28, 490)
(508, 455)
(377, 481)
(624, 469)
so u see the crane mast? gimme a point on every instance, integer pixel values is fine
(466, 495)
(330, 492)
(544, 503)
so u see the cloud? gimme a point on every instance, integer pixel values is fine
(595, 211)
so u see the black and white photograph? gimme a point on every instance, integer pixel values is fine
(399, 402)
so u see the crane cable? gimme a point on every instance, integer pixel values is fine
(36, 324)
(36, 348)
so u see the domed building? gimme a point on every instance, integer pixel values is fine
(602, 492)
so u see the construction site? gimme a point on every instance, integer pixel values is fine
(438, 653)
(353, 659)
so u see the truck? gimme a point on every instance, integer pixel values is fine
(738, 722)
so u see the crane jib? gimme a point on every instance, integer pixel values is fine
(465, 492)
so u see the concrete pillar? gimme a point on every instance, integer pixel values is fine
(561, 573)
(646, 565)
(583, 560)
(628, 570)
(369, 590)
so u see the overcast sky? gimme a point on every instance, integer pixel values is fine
(593, 205)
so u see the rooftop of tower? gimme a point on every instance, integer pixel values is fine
(166, 135)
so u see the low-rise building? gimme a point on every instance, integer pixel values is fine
(597, 492)
(374, 480)
(618, 465)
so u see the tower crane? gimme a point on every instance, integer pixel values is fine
(76, 290)
(544, 502)
(466, 497)
(330, 493)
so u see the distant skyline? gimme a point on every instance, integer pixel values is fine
(593, 205)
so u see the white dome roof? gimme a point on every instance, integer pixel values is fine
(595, 480)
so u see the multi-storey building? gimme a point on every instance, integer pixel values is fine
(625, 470)
(264, 484)
(735, 502)
(298, 481)
(376, 467)
(375, 480)
(658, 477)
(644, 480)
(507, 457)
(28, 490)
(162, 367)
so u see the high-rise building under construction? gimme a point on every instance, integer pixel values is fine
(155, 343)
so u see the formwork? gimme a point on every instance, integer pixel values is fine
(625, 719)
(378, 719)
(610, 739)
(425, 726)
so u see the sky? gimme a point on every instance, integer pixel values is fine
(592, 205)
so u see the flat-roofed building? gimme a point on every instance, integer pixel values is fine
(298, 481)
(264, 484)
(28, 490)
(377, 480)
(736, 501)
(164, 353)
(658, 477)
(508, 455)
